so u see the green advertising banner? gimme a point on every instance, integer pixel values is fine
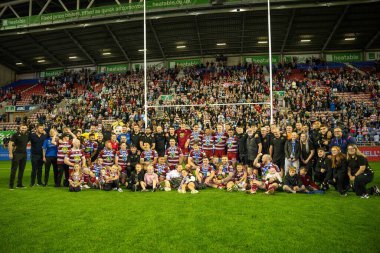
(5, 134)
(52, 72)
(113, 68)
(97, 12)
(184, 63)
(10, 108)
(262, 59)
(167, 97)
(279, 93)
(373, 56)
(344, 57)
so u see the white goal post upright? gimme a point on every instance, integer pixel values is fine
(145, 74)
(270, 65)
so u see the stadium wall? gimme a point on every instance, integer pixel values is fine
(6, 75)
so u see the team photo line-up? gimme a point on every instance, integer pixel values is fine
(244, 159)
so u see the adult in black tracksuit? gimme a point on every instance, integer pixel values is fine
(359, 172)
(132, 159)
(322, 165)
(37, 140)
(253, 146)
(242, 151)
(160, 140)
(17, 153)
(277, 149)
(337, 174)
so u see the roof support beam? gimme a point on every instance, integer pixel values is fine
(118, 44)
(14, 12)
(290, 24)
(198, 34)
(3, 10)
(117, 1)
(30, 7)
(90, 4)
(78, 4)
(63, 5)
(242, 33)
(44, 8)
(46, 51)
(80, 46)
(342, 15)
(369, 44)
(157, 39)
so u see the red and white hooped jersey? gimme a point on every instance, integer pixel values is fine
(220, 140)
(63, 148)
(173, 154)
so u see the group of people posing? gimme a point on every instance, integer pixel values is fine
(185, 159)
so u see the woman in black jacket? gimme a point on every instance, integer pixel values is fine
(337, 173)
(359, 172)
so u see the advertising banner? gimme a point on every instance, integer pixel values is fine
(371, 152)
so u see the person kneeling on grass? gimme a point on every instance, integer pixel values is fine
(188, 183)
(174, 178)
(293, 182)
(272, 181)
(238, 180)
(205, 173)
(76, 179)
(112, 182)
(150, 180)
(136, 178)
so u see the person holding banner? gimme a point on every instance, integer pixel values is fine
(17, 153)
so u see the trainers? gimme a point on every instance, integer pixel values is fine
(115, 189)
(194, 192)
(365, 196)
(167, 189)
(181, 191)
(253, 192)
(21, 186)
(343, 194)
(120, 190)
(86, 186)
(376, 190)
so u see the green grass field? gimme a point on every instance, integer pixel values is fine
(55, 220)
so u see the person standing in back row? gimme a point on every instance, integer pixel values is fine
(17, 153)
(37, 140)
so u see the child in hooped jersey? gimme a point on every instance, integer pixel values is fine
(239, 179)
(219, 180)
(205, 173)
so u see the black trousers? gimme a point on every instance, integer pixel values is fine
(360, 182)
(63, 168)
(51, 161)
(341, 182)
(319, 177)
(113, 184)
(37, 163)
(74, 189)
(18, 161)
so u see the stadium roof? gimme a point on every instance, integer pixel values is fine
(232, 28)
